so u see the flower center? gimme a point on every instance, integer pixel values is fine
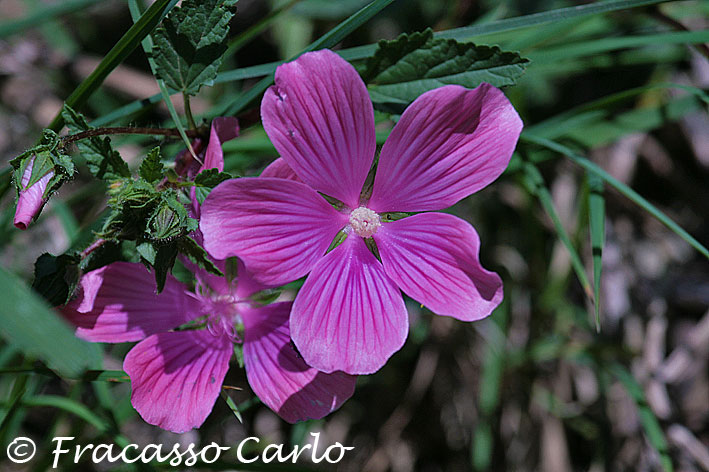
(364, 221)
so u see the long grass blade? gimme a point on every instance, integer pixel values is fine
(535, 183)
(628, 192)
(596, 46)
(597, 216)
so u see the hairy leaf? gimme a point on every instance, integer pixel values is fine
(189, 45)
(410, 65)
(152, 169)
(206, 181)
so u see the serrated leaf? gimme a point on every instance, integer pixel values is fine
(198, 255)
(102, 160)
(56, 277)
(152, 169)
(189, 45)
(410, 65)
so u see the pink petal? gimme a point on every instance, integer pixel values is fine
(448, 144)
(117, 303)
(278, 227)
(280, 377)
(433, 258)
(280, 170)
(321, 121)
(176, 377)
(348, 315)
(224, 128)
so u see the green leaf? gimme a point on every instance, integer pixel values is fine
(152, 169)
(32, 327)
(188, 47)
(56, 277)
(123, 48)
(403, 69)
(164, 260)
(198, 255)
(597, 216)
(103, 161)
(207, 180)
(631, 194)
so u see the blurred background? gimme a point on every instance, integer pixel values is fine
(535, 386)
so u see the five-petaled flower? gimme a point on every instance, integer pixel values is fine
(350, 315)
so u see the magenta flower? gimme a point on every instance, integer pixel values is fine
(176, 375)
(31, 197)
(223, 129)
(350, 315)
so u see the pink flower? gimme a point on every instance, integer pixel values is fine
(31, 197)
(176, 376)
(350, 315)
(223, 129)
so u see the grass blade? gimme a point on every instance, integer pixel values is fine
(543, 18)
(597, 216)
(596, 46)
(535, 183)
(68, 405)
(43, 15)
(649, 421)
(31, 326)
(631, 194)
(123, 48)
(232, 406)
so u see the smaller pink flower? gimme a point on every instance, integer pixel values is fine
(176, 375)
(31, 198)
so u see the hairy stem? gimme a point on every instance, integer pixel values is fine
(125, 130)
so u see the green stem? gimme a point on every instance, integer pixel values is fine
(188, 111)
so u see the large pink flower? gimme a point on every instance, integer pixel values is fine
(176, 375)
(349, 314)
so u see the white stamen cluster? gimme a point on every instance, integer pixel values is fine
(364, 222)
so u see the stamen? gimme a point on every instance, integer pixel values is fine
(364, 222)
